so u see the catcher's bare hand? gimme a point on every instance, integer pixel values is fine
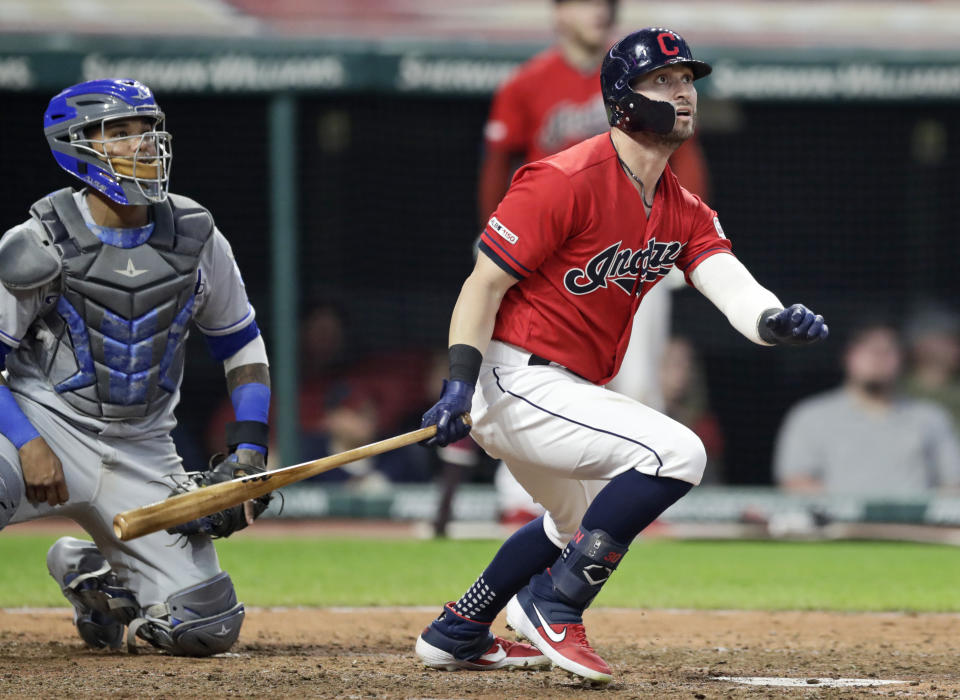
(42, 474)
(256, 459)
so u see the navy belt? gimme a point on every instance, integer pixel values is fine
(537, 360)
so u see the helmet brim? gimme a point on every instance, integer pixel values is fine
(700, 69)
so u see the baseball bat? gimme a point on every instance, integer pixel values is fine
(188, 506)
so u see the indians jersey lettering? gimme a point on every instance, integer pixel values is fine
(585, 254)
(623, 267)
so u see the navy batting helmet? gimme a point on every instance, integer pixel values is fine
(633, 56)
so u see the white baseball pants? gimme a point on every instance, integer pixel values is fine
(564, 437)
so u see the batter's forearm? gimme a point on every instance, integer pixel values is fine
(729, 285)
(476, 310)
(474, 316)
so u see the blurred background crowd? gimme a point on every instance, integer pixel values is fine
(828, 142)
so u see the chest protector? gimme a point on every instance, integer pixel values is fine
(116, 335)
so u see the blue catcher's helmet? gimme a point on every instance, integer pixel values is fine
(74, 124)
(635, 55)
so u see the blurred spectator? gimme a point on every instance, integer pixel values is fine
(686, 400)
(864, 437)
(347, 400)
(933, 344)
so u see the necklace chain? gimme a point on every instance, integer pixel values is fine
(643, 190)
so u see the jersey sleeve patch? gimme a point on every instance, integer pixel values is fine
(718, 227)
(502, 231)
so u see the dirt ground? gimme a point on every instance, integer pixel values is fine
(332, 653)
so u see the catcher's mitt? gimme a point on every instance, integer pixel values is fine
(225, 522)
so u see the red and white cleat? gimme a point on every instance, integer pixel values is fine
(453, 643)
(564, 642)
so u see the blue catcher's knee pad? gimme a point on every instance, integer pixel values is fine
(10, 492)
(201, 620)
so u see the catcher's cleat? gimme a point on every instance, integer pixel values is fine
(94, 586)
(97, 630)
(453, 642)
(102, 606)
(557, 630)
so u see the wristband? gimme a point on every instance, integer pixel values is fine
(13, 424)
(248, 435)
(251, 407)
(764, 331)
(465, 361)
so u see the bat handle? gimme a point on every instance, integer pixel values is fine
(120, 526)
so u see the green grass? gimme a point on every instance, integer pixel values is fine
(656, 574)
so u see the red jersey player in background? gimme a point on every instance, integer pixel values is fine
(553, 101)
(550, 103)
(542, 324)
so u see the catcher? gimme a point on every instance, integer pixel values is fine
(99, 287)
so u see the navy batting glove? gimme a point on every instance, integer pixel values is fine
(795, 325)
(455, 400)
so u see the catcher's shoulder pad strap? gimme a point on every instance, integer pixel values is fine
(60, 216)
(192, 222)
(28, 258)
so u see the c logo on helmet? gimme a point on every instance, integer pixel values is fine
(674, 49)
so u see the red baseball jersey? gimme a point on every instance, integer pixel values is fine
(573, 230)
(545, 107)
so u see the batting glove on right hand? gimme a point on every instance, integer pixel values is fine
(795, 325)
(455, 400)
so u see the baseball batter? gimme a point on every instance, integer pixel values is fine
(549, 104)
(543, 322)
(99, 288)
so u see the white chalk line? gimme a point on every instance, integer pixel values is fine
(807, 682)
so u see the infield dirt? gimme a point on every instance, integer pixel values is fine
(367, 653)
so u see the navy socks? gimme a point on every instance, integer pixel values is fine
(630, 502)
(526, 552)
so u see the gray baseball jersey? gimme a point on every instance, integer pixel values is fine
(221, 307)
(114, 463)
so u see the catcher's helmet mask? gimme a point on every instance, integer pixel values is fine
(631, 58)
(76, 122)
